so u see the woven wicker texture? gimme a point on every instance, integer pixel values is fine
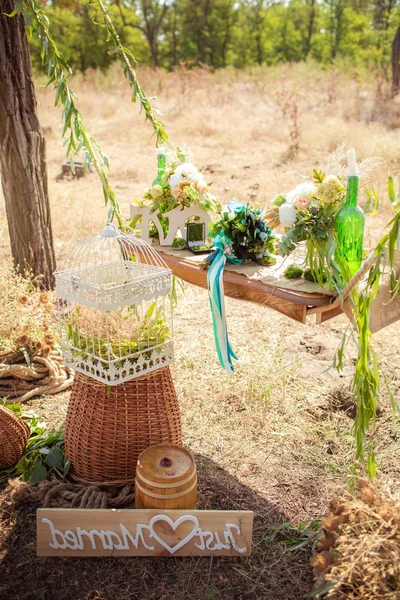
(108, 427)
(14, 433)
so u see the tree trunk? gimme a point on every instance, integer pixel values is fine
(23, 155)
(204, 34)
(336, 25)
(310, 28)
(396, 63)
(175, 36)
(153, 43)
(259, 26)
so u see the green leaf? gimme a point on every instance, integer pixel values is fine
(391, 193)
(321, 590)
(318, 176)
(150, 311)
(38, 474)
(15, 408)
(372, 206)
(67, 466)
(26, 356)
(22, 465)
(371, 465)
(393, 234)
(55, 459)
(287, 526)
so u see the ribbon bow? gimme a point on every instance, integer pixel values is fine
(215, 283)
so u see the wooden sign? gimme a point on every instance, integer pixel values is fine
(176, 221)
(112, 532)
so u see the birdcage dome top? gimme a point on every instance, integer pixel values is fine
(111, 269)
(110, 246)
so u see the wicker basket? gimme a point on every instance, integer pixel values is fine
(108, 427)
(14, 433)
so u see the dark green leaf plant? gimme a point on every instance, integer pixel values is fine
(44, 452)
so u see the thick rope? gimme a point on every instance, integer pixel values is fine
(64, 494)
(43, 376)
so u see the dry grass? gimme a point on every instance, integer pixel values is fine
(360, 545)
(27, 318)
(272, 426)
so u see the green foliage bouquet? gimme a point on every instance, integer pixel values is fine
(249, 237)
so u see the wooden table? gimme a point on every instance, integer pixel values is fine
(293, 304)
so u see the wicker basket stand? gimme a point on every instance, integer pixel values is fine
(107, 427)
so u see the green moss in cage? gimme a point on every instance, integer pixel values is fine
(118, 334)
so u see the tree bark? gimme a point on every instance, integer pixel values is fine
(310, 27)
(396, 63)
(204, 33)
(259, 26)
(23, 155)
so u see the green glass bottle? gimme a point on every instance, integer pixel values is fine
(350, 228)
(161, 165)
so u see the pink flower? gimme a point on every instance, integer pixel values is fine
(302, 203)
(176, 193)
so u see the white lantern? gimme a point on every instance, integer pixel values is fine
(114, 306)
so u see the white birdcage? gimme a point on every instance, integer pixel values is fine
(114, 307)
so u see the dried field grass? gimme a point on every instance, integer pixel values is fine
(360, 545)
(274, 428)
(27, 319)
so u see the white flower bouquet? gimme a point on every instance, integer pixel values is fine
(308, 213)
(180, 185)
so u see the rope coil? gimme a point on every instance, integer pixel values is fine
(43, 376)
(64, 494)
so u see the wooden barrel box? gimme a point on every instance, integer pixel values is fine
(166, 478)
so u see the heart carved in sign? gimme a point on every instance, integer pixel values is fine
(174, 526)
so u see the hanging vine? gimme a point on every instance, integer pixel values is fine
(366, 384)
(78, 138)
(126, 56)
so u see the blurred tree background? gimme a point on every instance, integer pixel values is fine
(219, 33)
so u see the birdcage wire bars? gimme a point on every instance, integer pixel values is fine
(114, 308)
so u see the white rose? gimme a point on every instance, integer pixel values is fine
(174, 180)
(287, 214)
(195, 177)
(187, 169)
(303, 189)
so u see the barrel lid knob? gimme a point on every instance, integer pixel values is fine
(165, 462)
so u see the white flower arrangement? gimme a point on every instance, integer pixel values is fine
(182, 185)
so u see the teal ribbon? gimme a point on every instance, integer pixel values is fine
(215, 283)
